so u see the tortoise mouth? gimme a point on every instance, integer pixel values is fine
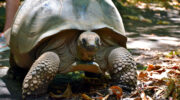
(91, 48)
(88, 66)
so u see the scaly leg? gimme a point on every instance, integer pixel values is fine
(40, 75)
(123, 69)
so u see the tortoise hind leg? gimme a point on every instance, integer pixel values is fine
(16, 72)
(41, 73)
(123, 69)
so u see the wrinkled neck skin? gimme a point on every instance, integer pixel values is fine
(74, 57)
(85, 55)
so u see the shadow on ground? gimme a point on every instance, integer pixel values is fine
(9, 89)
(150, 31)
(152, 35)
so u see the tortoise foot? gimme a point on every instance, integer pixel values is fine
(123, 69)
(40, 75)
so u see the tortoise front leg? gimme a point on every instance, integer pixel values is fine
(123, 69)
(40, 75)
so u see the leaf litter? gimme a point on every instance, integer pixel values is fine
(157, 81)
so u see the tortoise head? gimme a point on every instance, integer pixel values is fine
(88, 43)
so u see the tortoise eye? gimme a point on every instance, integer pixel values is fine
(83, 41)
(97, 40)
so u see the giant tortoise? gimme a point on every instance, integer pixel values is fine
(50, 37)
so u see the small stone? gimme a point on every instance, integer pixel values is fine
(26, 85)
(31, 85)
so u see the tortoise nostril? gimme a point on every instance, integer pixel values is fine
(91, 46)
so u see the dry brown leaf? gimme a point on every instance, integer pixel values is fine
(151, 87)
(138, 98)
(102, 98)
(143, 76)
(99, 98)
(149, 98)
(150, 67)
(116, 90)
(174, 67)
(106, 97)
(99, 93)
(159, 93)
(67, 93)
(86, 97)
(134, 94)
(175, 72)
(51, 94)
(143, 96)
(160, 70)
